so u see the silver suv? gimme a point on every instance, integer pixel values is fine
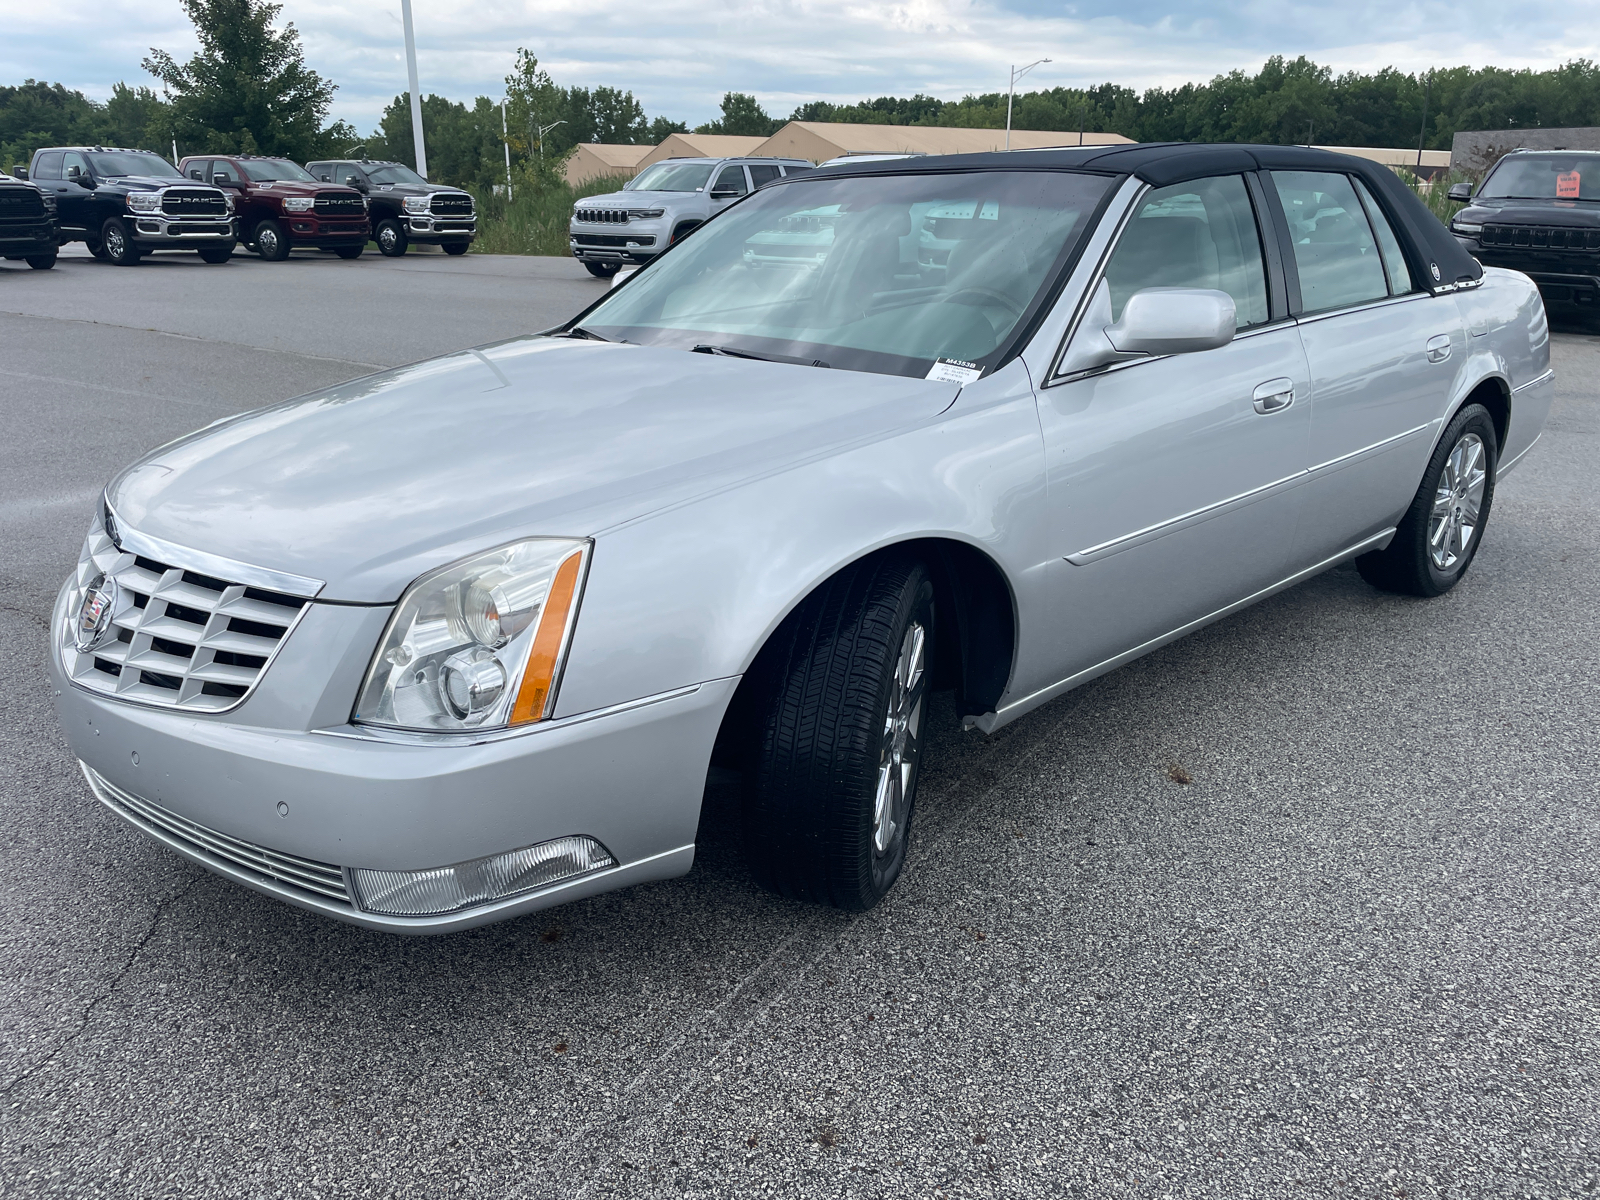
(662, 203)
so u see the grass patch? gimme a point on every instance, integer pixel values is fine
(536, 220)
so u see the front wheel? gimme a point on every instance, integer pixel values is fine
(391, 238)
(829, 801)
(96, 248)
(603, 270)
(1439, 536)
(272, 244)
(349, 251)
(118, 244)
(42, 262)
(455, 247)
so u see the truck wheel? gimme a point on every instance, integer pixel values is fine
(391, 238)
(829, 798)
(272, 243)
(42, 262)
(349, 251)
(603, 270)
(118, 243)
(216, 254)
(455, 247)
(95, 247)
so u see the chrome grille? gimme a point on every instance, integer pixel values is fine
(338, 204)
(607, 216)
(451, 204)
(303, 874)
(193, 202)
(1540, 237)
(178, 638)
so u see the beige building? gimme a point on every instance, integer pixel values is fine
(822, 140)
(700, 145)
(1433, 161)
(595, 160)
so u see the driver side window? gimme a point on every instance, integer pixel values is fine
(1200, 234)
(730, 179)
(75, 165)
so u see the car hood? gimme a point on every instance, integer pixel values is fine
(299, 187)
(1581, 213)
(417, 189)
(369, 484)
(147, 183)
(633, 199)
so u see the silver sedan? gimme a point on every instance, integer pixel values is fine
(458, 641)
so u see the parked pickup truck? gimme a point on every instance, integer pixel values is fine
(405, 207)
(29, 231)
(125, 204)
(282, 207)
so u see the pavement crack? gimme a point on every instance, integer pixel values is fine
(105, 994)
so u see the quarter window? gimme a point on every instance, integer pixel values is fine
(730, 179)
(1394, 258)
(1334, 249)
(762, 174)
(1201, 234)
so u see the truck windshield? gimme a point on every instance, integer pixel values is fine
(268, 170)
(394, 173)
(672, 177)
(1544, 177)
(112, 164)
(882, 274)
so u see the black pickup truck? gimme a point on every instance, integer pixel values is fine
(1538, 212)
(405, 207)
(125, 204)
(29, 231)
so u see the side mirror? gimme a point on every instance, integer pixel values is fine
(221, 177)
(325, 178)
(359, 184)
(19, 171)
(86, 182)
(723, 194)
(1461, 192)
(1154, 321)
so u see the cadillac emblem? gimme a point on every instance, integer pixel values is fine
(92, 624)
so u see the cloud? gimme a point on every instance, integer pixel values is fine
(679, 56)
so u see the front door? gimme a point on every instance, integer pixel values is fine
(1175, 483)
(728, 186)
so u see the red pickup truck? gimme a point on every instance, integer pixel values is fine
(281, 207)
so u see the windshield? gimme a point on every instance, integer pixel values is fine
(269, 169)
(109, 164)
(1544, 177)
(671, 177)
(881, 274)
(394, 173)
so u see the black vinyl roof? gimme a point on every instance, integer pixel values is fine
(1440, 258)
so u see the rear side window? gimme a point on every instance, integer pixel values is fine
(1201, 234)
(762, 173)
(48, 165)
(792, 170)
(1394, 259)
(1334, 250)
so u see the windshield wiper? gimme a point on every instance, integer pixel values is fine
(730, 352)
(578, 331)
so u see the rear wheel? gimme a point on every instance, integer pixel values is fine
(42, 262)
(603, 270)
(272, 243)
(391, 238)
(1439, 536)
(455, 247)
(118, 243)
(829, 801)
(349, 251)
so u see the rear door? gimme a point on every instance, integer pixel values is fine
(1382, 351)
(76, 202)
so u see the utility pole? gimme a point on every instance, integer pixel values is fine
(174, 149)
(544, 129)
(505, 138)
(1081, 106)
(416, 96)
(1422, 135)
(1011, 89)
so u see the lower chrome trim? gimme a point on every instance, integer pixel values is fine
(989, 722)
(1354, 455)
(1549, 374)
(1150, 533)
(1505, 468)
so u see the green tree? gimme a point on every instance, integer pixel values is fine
(742, 114)
(248, 90)
(137, 117)
(662, 128)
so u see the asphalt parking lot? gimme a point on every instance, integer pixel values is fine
(1358, 955)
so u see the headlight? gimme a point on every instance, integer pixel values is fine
(480, 644)
(144, 201)
(646, 213)
(1466, 227)
(418, 205)
(298, 203)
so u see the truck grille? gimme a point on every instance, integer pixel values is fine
(303, 874)
(178, 638)
(451, 204)
(20, 204)
(613, 239)
(338, 204)
(1540, 237)
(193, 202)
(606, 216)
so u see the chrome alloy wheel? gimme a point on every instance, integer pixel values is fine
(388, 238)
(116, 243)
(1457, 502)
(902, 739)
(267, 242)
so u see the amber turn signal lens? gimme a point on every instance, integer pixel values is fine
(538, 680)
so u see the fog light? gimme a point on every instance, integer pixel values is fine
(481, 881)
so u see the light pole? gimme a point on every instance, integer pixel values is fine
(1011, 90)
(544, 129)
(505, 138)
(416, 98)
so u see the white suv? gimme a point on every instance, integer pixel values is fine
(661, 204)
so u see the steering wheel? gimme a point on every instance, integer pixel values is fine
(989, 295)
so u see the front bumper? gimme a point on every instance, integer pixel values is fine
(40, 237)
(631, 777)
(632, 242)
(429, 229)
(158, 231)
(307, 229)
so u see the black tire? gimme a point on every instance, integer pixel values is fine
(117, 244)
(216, 254)
(349, 251)
(42, 262)
(830, 677)
(684, 230)
(272, 243)
(391, 237)
(1410, 565)
(455, 247)
(602, 270)
(95, 248)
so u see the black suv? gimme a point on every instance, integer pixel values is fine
(124, 204)
(29, 231)
(403, 206)
(1538, 211)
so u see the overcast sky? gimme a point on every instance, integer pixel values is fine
(679, 56)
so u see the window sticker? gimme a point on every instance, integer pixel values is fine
(1567, 185)
(954, 370)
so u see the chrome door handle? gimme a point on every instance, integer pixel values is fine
(1274, 395)
(1439, 348)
